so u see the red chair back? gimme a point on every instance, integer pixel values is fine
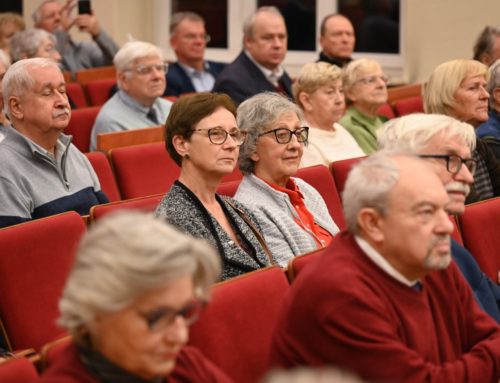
(147, 204)
(228, 188)
(18, 370)
(99, 90)
(297, 264)
(409, 105)
(236, 328)
(340, 171)
(80, 126)
(35, 261)
(143, 170)
(479, 227)
(76, 94)
(102, 167)
(387, 111)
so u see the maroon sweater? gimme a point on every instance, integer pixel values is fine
(191, 367)
(346, 311)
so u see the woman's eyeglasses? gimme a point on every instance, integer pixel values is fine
(161, 318)
(218, 135)
(284, 135)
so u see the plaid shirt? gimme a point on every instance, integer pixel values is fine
(482, 180)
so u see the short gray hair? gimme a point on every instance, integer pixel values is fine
(254, 115)
(249, 22)
(485, 42)
(134, 50)
(37, 14)
(493, 82)
(126, 255)
(369, 184)
(25, 44)
(19, 80)
(179, 17)
(414, 131)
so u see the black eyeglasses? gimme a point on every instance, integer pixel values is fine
(161, 318)
(284, 135)
(218, 135)
(143, 70)
(454, 162)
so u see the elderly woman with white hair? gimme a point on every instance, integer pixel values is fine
(457, 88)
(293, 215)
(140, 73)
(34, 42)
(136, 286)
(490, 130)
(320, 94)
(4, 65)
(365, 86)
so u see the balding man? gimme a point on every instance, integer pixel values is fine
(258, 68)
(337, 40)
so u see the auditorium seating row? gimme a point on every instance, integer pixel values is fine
(236, 328)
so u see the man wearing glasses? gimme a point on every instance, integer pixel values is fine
(140, 72)
(446, 143)
(191, 73)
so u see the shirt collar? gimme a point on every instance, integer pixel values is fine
(381, 262)
(277, 72)
(191, 71)
(132, 103)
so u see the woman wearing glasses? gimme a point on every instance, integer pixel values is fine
(202, 137)
(136, 286)
(293, 215)
(365, 87)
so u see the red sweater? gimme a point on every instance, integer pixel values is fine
(191, 367)
(346, 311)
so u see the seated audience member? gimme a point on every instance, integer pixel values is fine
(136, 286)
(337, 40)
(293, 215)
(191, 73)
(311, 375)
(57, 19)
(487, 46)
(10, 23)
(365, 87)
(140, 74)
(457, 88)
(202, 137)
(34, 42)
(42, 173)
(319, 92)
(490, 130)
(4, 65)
(385, 301)
(447, 144)
(258, 67)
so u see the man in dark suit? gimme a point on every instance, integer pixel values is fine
(337, 40)
(191, 73)
(258, 67)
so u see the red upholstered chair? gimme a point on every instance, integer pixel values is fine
(321, 179)
(236, 328)
(98, 90)
(76, 94)
(456, 235)
(409, 105)
(228, 188)
(479, 226)
(102, 167)
(387, 111)
(18, 370)
(35, 259)
(143, 170)
(52, 350)
(80, 126)
(297, 264)
(147, 204)
(340, 171)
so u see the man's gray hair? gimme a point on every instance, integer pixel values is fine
(369, 184)
(250, 20)
(179, 17)
(18, 79)
(485, 42)
(25, 44)
(134, 50)
(493, 82)
(254, 115)
(126, 255)
(413, 132)
(37, 14)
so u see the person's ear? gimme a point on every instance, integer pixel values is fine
(305, 100)
(496, 97)
(122, 79)
(370, 222)
(16, 107)
(181, 145)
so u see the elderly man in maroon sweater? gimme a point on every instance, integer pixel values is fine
(385, 301)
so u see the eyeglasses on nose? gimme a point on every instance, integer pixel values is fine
(161, 318)
(454, 163)
(370, 80)
(284, 135)
(148, 69)
(191, 36)
(218, 135)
